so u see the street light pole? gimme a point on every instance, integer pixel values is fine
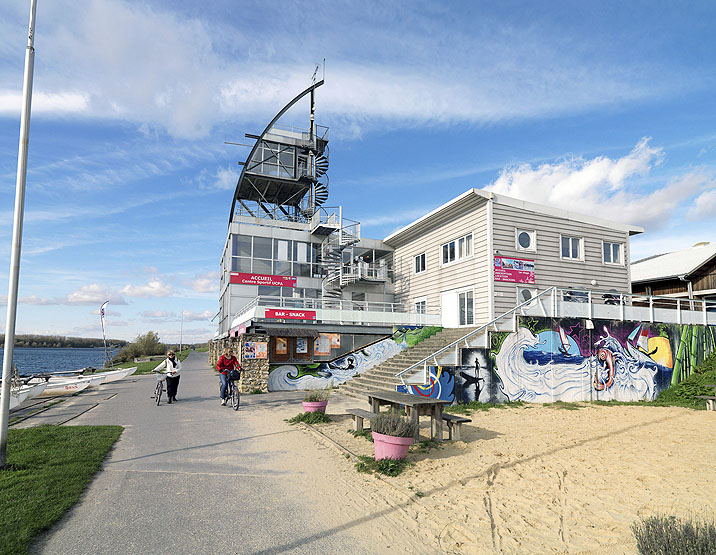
(17, 235)
(181, 330)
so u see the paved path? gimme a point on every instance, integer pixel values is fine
(197, 477)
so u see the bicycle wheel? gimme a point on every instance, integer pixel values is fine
(158, 392)
(235, 396)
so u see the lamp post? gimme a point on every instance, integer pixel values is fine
(17, 235)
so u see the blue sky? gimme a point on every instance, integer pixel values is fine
(603, 107)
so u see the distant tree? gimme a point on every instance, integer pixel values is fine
(144, 345)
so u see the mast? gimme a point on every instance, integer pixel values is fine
(17, 234)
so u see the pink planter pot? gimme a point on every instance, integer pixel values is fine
(391, 447)
(313, 407)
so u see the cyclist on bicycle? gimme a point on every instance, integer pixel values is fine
(226, 363)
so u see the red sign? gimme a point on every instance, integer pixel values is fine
(515, 270)
(263, 279)
(290, 314)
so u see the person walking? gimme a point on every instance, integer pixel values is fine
(173, 366)
(226, 363)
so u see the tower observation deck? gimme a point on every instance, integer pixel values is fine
(284, 175)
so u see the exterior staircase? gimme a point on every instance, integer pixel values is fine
(382, 377)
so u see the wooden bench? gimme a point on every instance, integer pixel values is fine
(358, 416)
(710, 400)
(454, 422)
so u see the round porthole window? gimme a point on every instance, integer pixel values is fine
(525, 295)
(524, 239)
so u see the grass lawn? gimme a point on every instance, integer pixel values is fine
(48, 468)
(147, 367)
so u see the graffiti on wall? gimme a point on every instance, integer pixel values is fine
(441, 385)
(287, 377)
(580, 360)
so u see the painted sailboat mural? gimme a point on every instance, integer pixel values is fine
(564, 340)
(639, 338)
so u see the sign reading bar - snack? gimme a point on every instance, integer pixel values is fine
(289, 314)
(263, 279)
(515, 270)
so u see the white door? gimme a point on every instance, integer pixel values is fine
(449, 309)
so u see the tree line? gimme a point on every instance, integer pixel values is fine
(60, 341)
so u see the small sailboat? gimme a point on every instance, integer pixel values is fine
(564, 340)
(639, 338)
(64, 387)
(25, 392)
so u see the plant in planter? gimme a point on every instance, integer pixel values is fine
(392, 435)
(317, 399)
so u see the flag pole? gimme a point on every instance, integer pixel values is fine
(181, 330)
(104, 337)
(17, 235)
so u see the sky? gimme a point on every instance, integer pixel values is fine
(605, 108)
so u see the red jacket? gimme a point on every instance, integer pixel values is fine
(224, 364)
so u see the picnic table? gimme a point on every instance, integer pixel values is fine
(415, 407)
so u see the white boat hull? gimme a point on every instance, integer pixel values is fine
(24, 393)
(64, 388)
(114, 375)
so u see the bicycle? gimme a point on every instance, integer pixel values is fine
(232, 390)
(161, 376)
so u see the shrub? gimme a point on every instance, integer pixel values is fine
(391, 424)
(319, 395)
(144, 345)
(670, 535)
(315, 417)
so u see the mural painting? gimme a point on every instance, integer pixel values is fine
(581, 360)
(288, 377)
(441, 385)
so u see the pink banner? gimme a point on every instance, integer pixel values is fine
(263, 279)
(290, 314)
(515, 270)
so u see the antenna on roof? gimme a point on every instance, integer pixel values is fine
(315, 71)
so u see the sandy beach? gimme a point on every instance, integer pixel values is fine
(531, 479)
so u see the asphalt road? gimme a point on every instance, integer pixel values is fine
(196, 477)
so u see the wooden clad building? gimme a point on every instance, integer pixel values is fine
(482, 253)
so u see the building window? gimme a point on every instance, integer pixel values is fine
(420, 263)
(572, 248)
(465, 306)
(612, 253)
(525, 240)
(457, 250)
(421, 305)
(525, 294)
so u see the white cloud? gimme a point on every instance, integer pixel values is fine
(35, 300)
(704, 205)
(153, 288)
(198, 316)
(205, 283)
(157, 314)
(603, 186)
(93, 294)
(156, 67)
(44, 103)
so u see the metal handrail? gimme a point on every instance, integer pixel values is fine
(464, 338)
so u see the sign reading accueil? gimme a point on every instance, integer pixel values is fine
(515, 270)
(263, 279)
(287, 314)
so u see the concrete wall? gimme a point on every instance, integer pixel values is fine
(606, 362)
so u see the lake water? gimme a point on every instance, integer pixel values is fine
(33, 361)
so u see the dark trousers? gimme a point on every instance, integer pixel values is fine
(172, 386)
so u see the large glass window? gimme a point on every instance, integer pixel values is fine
(241, 245)
(282, 249)
(612, 253)
(572, 248)
(241, 265)
(457, 250)
(301, 251)
(262, 266)
(262, 247)
(282, 268)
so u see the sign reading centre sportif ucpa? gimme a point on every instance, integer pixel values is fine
(263, 279)
(285, 314)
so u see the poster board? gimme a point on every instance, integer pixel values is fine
(322, 344)
(301, 345)
(281, 346)
(514, 270)
(255, 350)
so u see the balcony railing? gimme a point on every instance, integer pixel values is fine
(341, 311)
